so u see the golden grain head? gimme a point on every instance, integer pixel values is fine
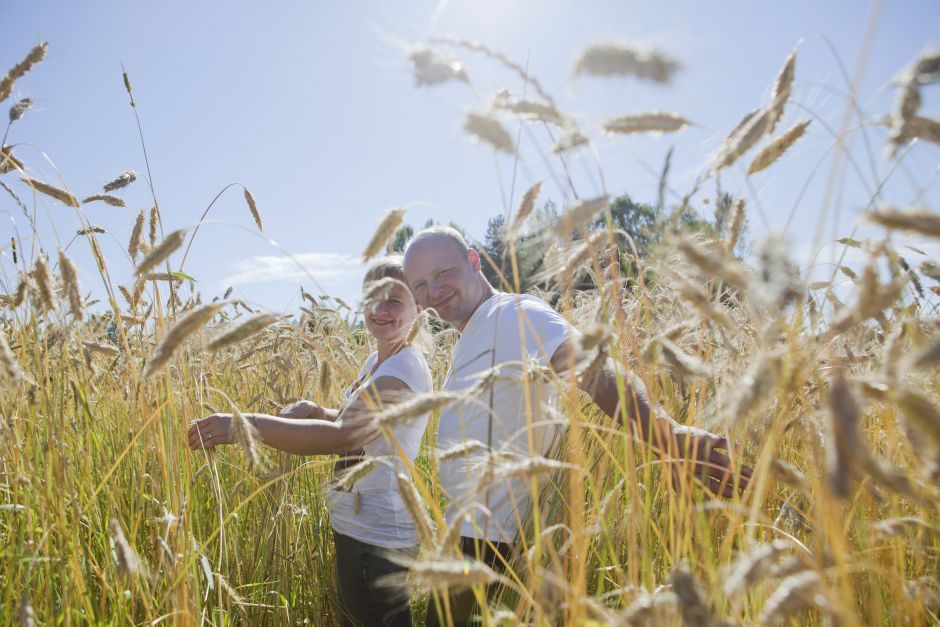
(570, 140)
(121, 181)
(783, 86)
(189, 324)
(387, 227)
(133, 245)
(114, 201)
(770, 153)
(253, 207)
(251, 327)
(8, 162)
(70, 281)
(128, 562)
(653, 122)
(53, 192)
(452, 574)
(747, 133)
(37, 54)
(161, 252)
(487, 128)
(617, 59)
(432, 67)
(11, 367)
(415, 506)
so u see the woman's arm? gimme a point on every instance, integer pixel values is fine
(352, 428)
(308, 409)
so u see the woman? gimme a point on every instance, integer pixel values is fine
(373, 530)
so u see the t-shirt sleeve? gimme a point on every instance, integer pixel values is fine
(407, 366)
(545, 329)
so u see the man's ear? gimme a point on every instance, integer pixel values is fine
(474, 258)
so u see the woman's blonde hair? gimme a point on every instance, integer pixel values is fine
(392, 267)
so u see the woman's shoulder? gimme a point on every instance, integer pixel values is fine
(409, 365)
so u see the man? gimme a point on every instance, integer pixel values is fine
(505, 339)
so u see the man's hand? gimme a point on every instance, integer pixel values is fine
(303, 410)
(715, 470)
(211, 431)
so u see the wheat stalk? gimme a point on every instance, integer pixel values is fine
(775, 149)
(752, 567)
(532, 110)
(88, 230)
(133, 245)
(35, 55)
(163, 250)
(246, 436)
(526, 205)
(570, 140)
(154, 221)
(453, 574)
(794, 594)
(59, 194)
(415, 406)
(580, 214)
(104, 349)
(186, 326)
(45, 286)
(385, 230)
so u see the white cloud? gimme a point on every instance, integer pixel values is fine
(326, 269)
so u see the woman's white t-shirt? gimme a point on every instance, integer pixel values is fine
(373, 510)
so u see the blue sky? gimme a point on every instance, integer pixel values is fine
(312, 105)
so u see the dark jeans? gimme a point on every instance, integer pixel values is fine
(462, 603)
(371, 586)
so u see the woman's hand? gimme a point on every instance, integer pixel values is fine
(211, 431)
(303, 410)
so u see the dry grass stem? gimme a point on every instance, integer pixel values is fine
(775, 149)
(488, 129)
(54, 192)
(385, 230)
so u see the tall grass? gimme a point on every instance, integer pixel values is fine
(107, 516)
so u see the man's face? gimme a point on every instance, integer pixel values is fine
(444, 278)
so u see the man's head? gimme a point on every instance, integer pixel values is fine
(444, 274)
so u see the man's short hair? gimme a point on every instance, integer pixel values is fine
(439, 229)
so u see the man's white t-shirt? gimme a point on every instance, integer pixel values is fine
(505, 332)
(373, 511)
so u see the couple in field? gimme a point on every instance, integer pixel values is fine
(501, 335)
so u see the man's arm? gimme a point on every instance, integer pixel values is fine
(652, 424)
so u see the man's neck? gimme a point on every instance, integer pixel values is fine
(488, 290)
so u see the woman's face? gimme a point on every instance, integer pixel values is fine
(390, 319)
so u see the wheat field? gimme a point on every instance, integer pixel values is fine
(829, 389)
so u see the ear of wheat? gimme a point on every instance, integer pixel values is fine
(185, 327)
(748, 131)
(121, 181)
(133, 245)
(8, 162)
(161, 252)
(128, 563)
(254, 325)
(488, 129)
(20, 108)
(654, 122)
(53, 192)
(37, 54)
(415, 507)
(781, 93)
(385, 230)
(432, 67)
(611, 59)
(253, 207)
(70, 280)
(114, 201)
